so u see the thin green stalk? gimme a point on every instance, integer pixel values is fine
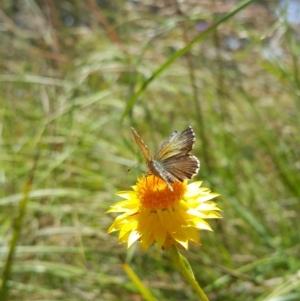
(185, 269)
(139, 284)
(180, 53)
(17, 227)
(197, 100)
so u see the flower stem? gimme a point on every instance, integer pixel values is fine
(185, 269)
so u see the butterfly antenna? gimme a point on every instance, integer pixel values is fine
(129, 169)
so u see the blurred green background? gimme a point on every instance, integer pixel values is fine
(76, 75)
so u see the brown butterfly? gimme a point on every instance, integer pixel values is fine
(172, 161)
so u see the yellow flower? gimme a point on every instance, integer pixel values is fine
(152, 212)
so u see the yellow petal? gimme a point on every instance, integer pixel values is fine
(207, 197)
(128, 228)
(201, 224)
(152, 213)
(159, 234)
(133, 237)
(193, 235)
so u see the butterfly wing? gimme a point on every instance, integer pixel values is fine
(172, 161)
(173, 158)
(180, 167)
(177, 143)
(155, 168)
(143, 147)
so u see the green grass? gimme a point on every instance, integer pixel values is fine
(68, 97)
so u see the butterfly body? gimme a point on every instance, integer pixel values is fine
(173, 160)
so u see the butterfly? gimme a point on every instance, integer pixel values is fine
(173, 160)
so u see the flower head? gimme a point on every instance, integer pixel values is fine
(152, 212)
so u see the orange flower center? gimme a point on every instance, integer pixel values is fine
(155, 194)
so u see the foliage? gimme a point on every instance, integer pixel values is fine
(69, 71)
